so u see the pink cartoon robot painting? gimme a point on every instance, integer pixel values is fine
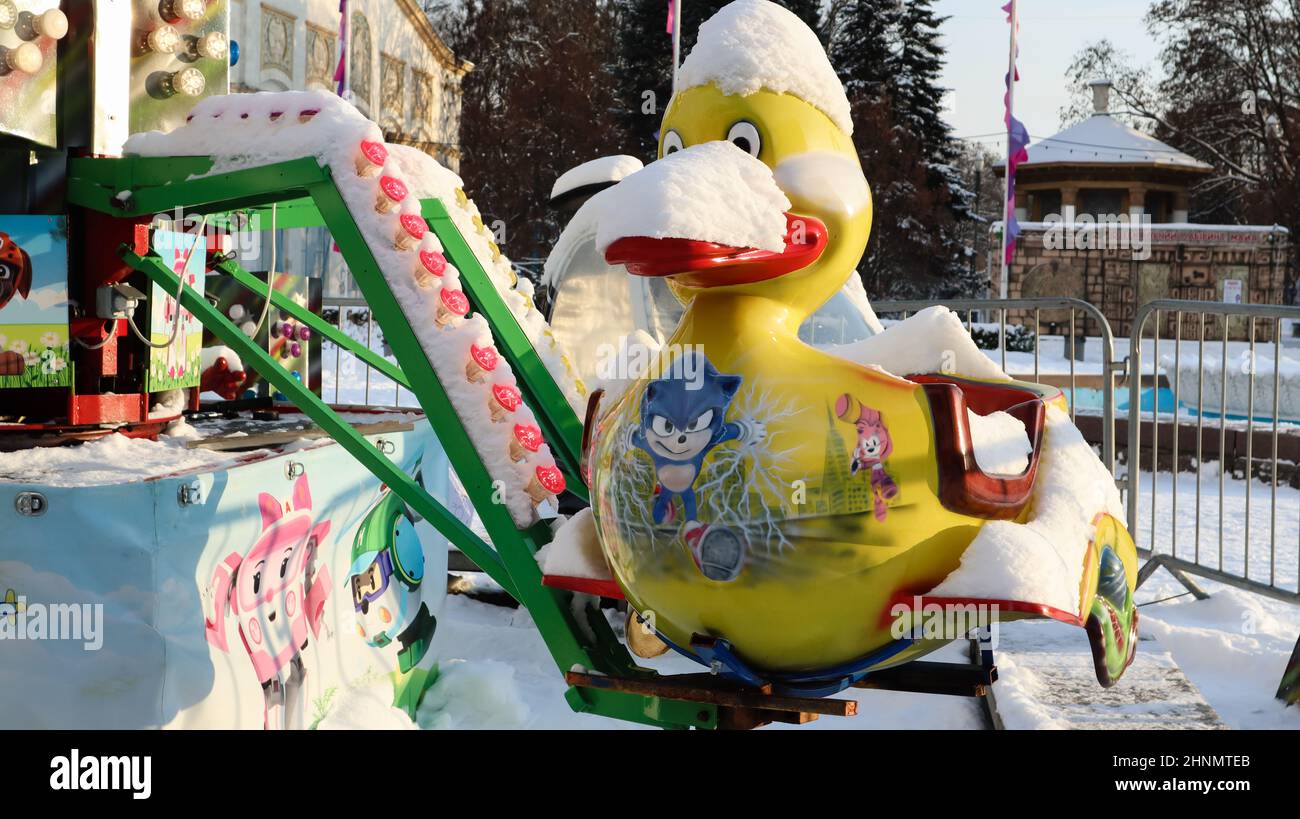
(873, 448)
(276, 593)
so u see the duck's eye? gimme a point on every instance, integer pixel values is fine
(745, 137)
(661, 425)
(672, 143)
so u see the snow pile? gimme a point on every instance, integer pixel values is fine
(365, 706)
(430, 180)
(1002, 447)
(1246, 375)
(113, 459)
(1039, 561)
(381, 186)
(754, 44)
(827, 182)
(712, 192)
(606, 169)
(575, 551)
(480, 695)
(932, 341)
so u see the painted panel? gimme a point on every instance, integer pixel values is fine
(252, 607)
(34, 302)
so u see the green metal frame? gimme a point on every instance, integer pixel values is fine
(560, 425)
(159, 185)
(290, 307)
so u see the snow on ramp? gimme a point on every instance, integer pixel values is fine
(382, 186)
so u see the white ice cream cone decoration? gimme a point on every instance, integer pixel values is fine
(392, 192)
(371, 157)
(411, 229)
(452, 305)
(430, 268)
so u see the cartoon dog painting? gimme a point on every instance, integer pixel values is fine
(873, 448)
(277, 594)
(15, 271)
(682, 420)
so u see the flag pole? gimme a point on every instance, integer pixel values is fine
(675, 9)
(346, 44)
(1009, 204)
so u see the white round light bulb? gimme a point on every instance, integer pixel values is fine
(52, 24)
(26, 58)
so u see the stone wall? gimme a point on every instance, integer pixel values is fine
(1118, 284)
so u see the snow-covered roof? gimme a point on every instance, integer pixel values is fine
(1102, 139)
(750, 45)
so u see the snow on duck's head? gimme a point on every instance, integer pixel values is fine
(758, 79)
(753, 45)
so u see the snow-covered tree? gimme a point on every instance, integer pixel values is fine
(890, 57)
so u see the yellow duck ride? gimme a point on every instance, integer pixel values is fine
(776, 511)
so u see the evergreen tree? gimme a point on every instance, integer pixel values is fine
(889, 57)
(539, 101)
(917, 66)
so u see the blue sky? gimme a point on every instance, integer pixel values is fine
(1051, 32)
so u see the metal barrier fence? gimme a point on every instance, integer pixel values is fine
(370, 388)
(1079, 312)
(1230, 437)
(1236, 560)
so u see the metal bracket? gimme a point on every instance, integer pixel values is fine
(189, 494)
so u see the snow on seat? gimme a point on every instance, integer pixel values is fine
(1034, 565)
(574, 561)
(382, 186)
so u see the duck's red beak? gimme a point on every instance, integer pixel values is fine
(707, 264)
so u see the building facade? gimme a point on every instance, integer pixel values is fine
(402, 75)
(1104, 217)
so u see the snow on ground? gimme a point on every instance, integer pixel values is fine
(1177, 529)
(1232, 648)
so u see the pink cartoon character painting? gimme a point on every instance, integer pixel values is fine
(871, 451)
(276, 593)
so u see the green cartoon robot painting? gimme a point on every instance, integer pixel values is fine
(386, 580)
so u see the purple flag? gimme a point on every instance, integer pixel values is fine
(340, 73)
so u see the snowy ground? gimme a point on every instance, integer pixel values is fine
(1232, 648)
(346, 380)
(1271, 544)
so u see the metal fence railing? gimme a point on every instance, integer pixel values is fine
(346, 379)
(1070, 317)
(1181, 434)
(1228, 425)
